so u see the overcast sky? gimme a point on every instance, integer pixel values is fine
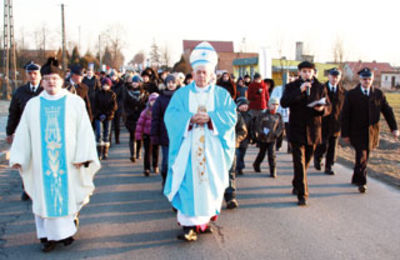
(368, 29)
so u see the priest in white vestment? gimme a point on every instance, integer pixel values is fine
(200, 121)
(55, 152)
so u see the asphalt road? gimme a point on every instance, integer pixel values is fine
(128, 218)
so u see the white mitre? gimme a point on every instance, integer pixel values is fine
(204, 54)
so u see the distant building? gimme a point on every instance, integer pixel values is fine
(300, 53)
(280, 68)
(350, 70)
(225, 51)
(390, 80)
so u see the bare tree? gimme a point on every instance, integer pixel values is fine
(338, 51)
(166, 56)
(139, 58)
(115, 42)
(155, 57)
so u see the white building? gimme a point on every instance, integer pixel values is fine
(390, 79)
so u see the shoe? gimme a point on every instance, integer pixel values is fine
(138, 157)
(48, 246)
(329, 172)
(76, 220)
(24, 196)
(239, 172)
(174, 209)
(105, 151)
(188, 235)
(317, 165)
(362, 188)
(273, 172)
(68, 241)
(208, 230)
(147, 173)
(133, 159)
(294, 191)
(256, 168)
(302, 202)
(156, 170)
(232, 204)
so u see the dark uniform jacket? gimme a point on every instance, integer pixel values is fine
(81, 90)
(241, 131)
(305, 123)
(118, 88)
(361, 115)
(331, 124)
(17, 105)
(105, 103)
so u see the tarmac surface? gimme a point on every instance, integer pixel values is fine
(129, 218)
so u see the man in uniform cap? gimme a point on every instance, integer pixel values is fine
(202, 146)
(304, 123)
(55, 152)
(331, 124)
(21, 96)
(360, 123)
(75, 85)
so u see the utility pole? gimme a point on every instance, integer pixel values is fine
(6, 53)
(64, 58)
(100, 61)
(12, 41)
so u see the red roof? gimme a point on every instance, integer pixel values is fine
(219, 46)
(376, 67)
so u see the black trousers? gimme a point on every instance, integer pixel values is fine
(264, 147)
(328, 148)
(150, 153)
(360, 167)
(230, 192)
(134, 146)
(302, 155)
(116, 125)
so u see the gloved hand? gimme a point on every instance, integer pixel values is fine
(102, 117)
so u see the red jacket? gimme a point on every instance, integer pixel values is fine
(258, 96)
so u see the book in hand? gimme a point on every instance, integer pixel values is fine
(320, 102)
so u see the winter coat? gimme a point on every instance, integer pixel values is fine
(241, 130)
(105, 103)
(272, 123)
(143, 125)
(159, 133)
(361, 114)
(305, 123)
(93, 85)
(150, 88)
(248, 120)
(83, 91)
(241, 91)
(258, 96)
(229, 86)
(17, 106)
(118, 88)
(331, 124)
(134, 103)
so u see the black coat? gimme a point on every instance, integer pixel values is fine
(93, 85)
(83, 91)
(17, 106)
(118, 88)
(150, 87)
(134, 103)
(331, 124)
(159, 134)
(273, 122)
(361, 115)
(305, 123)
(105, 103)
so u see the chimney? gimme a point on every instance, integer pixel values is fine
(299, 51)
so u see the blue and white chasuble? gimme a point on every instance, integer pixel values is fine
(54, 133)
(200, 158)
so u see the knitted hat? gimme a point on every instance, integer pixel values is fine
(106, 81)
(136, 79)
(153, 96)
(242, 101)
(170, 77)
(273, 100)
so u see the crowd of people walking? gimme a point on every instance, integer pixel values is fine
(203, 123)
